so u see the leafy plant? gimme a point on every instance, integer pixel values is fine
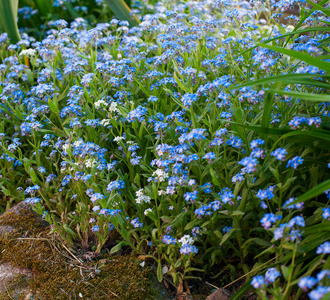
(200, 139)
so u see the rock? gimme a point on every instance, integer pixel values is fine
(13, 279)
(220, 294)
(5, 229)
(22, 209)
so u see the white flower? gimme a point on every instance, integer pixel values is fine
(77, 143)
(113, 107)
(139, 193)
(141, 198)
(65, 147)
(90, 163)
(160, 175)
(28, 52)
(186, 239)
(118, 138)
(105, 122)
(100, 103)
(147, 210)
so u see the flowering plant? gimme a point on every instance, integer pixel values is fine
(198, 138)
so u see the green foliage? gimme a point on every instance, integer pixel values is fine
(195, 150)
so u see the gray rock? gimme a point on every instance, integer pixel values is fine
(13, 280)
(20, 209)
(220, 294)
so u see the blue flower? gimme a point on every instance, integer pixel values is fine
(136, 224)
(268, 220)
(226, 195)
(187, 249)
(167, 239)
(113, 185)
(295, 162)
(95, 228)
(287, 205)
(307, 282)
(271, 275)
(324, 248)
(42, 170)
(279, 154)
(326, 213)
(226, 229)
(209, 156)
(136, 114)
(266, 194)
(152, 99)
(66, 180)
(96, 196)
(319, 292)
(258, 282)
(191, 196)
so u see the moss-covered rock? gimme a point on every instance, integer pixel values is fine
(58, 273)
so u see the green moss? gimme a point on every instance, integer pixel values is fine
(57, 275)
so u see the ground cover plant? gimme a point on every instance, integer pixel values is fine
(200, 139)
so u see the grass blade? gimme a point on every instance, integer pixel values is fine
(290, 78)
(268, 107)
(319, 7)
(122, 11)
(323, 65)
(288, 35)
(314, 192)
(304, 96)
(8, 17)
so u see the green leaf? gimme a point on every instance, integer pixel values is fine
(289, 78)
(122, 11)
(118, 247)
(323, 65)
(192, 224)
(160, 271)
(268, 107)
(69, 230)
(237, 213)
(166, 219)
(179, 83)
(258, 241)
(153, 217)
(178, 264)
(71, 10)
(285, 272)
(29, 75)
(52, 106)
(319, 7)
(227, 236)
(314, 192)
(179, 219)
(304, 96)
(8, 18)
